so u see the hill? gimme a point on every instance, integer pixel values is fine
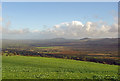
(27, 67)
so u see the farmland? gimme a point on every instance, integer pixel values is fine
(94, 50)
(29, 67)
(61, 59)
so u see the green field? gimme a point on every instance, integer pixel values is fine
(28, 67)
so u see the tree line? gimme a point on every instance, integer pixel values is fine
(12, 52)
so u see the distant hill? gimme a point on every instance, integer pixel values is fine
(65, 42)
(58, 39)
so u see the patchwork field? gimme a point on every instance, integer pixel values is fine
(104, 50)
(28, 67)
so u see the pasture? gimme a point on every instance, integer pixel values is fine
(29, 67)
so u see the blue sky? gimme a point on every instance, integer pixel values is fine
(38, 20)
(37, 15)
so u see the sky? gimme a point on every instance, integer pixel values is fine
(41, 20)
(60, 0)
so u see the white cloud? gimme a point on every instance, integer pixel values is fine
(74, 29)
(0, 19)
(114, 28)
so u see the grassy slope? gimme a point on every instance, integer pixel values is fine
(19, 67)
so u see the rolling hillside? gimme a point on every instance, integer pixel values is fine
(28, 67)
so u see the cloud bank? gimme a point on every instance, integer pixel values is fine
(73, 29)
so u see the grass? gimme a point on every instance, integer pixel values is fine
(28, 67)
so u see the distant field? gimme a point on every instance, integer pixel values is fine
(28, 67)
(50, 47)
(44, 47)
